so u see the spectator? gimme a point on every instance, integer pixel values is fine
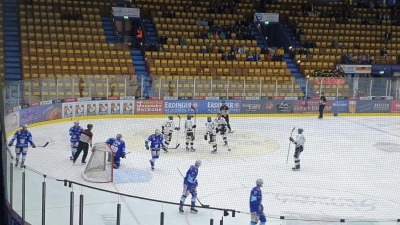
(369, 59)
(384, 52)
(187, 9)
(235, 49)
(66, 16)
(151, 48)
(362, 59)
(204, 22)
(279, 53)
(183, 41)
(203, 49)
(165, 14)
(139, 36)
(313, 44)
(259, 27)
(388, 36)
(198, 22)
(220, 49)
(268, 57)
(228, 35)
(345, 59)
(222, 36)
(211, 22)
(215, 50)
(81, 86)
(210, 48)
(163, 40)
(239, 35)
(210, 36)
(307, 52)
(265, 50)
(257, 57)
(160, 48)
(250, 57)
(172, 14)
(78, 16)
(205, 35)
(351, 59)
(242, 50)
(232, 57)
(272, 51)
(216, 36)
(386, 16)
(224, 56)
(199, 35)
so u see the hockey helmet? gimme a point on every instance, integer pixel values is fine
(189, 116)
(90, 126)
(223, 102)
(322, 93)
(259, 182)
(158, 132)
(198, 163)
(119, 136)
(209, 119)
(25, 126)
(170, 117)
(76, 122)
(300, 130)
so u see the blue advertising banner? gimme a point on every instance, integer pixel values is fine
(213, 106)
(179, 106)
(340, 106)
(40, 113)
(372, 106)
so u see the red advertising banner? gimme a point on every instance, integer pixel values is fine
(149, 107)
(395, 106)
(310, 106)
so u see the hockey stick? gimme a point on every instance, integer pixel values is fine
(38, 146)
(205, 206)
(194, 133)
(287, 158)
(178, 144)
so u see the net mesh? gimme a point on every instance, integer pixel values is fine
(99, 170)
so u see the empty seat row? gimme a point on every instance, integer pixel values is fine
(94, 61)
(219, 71)
(161, 20)
(60, 22)
(215, 64)
(51, 15)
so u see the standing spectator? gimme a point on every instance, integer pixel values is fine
(257, 57)
(163, 40)
(216, 36)
(81, 86)
(242, 50)
(322, 103)
(384, 52)
(198, 22)
(204, 22)
(139, 36)
(388, 36)
(228, 35)
(172, 14)
(222, 36)
(85, 140)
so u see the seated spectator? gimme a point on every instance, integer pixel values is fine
(66, 16)
(239, 35)
(313, 44)
(222, 36)
(210, 36)
(351, 59)
(183, 42)
(211, 22)
(335, 43)
(279, 53)
(362, 59)
(219, 29)
(250, 57)
(242, 50)
(187, 9)
(205, 35)
(307, 52)
(199, 35)
(301, 51)
(224, 56)
(257, 57)
(203, 49)
(272, 51)
(265, 50)
(221, 50)
(216, 36)
(160, 48)
(210, 48)
(228, 35)
(345, 59)
(165, 14)
(232, 57)
(152, 47)
(369, 59)
(384, 52)
(268, 57)
(198, 22)
(163, 40)
(78, 16)
(215, 50)
(307, 44)
(204, 22)
(386, 16)
(172, 14)
(235, 49)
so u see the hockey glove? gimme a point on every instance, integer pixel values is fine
(177, 128)
(205, 137)
(291, 139)
(217, 130)
(164, 148)
(194, 126)
(123, 155)
(10, 144)
(196, 183)
(33, 145)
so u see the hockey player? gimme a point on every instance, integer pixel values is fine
(256, 207)
(189, 133)
(211, 131)
(156, 142)
(224, 109)
(23, 137)
(167, 128)
(221, 128)
(322, 103)
(118, 147)
(74, 132)
(190, 187)
(85, 140)
(300, 139)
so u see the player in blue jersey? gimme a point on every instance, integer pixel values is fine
(118, 147)
(74, 132)
(24, 137)
(190, 187)
(256, 207)
(156, 142)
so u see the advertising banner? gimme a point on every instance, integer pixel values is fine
(252, 106)
(311, 106)
(341, 106)
(395, 106)
(149, 107)
(115, 107)
(11, 121)
(130, 12)
(80, 109)
(91, 108)
(348, 68)
(40, 113)
(373, 106)
(180, 106)
(266, 106)
(104, 108)
(213, 106)
(127, 107)
(68, 109)
(269, 17)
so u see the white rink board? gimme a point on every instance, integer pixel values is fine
(343, 173)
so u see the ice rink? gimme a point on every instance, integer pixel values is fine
(349, 169)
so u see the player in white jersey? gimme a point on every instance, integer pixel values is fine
(221, 127)
(299, 142)
(189, 133)
(211, 127)
(167, 128)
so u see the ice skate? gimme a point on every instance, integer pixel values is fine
(16, 163)
(193, 210)
(71, 158)
(181, 209)
(22, 165)
(187, 149)
(296, 168)
(84, 162)
(192, 149)
(210, 142)
(214, 151)
(152, 167)
(226, 144)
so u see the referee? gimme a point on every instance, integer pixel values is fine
(322, 103)
(85, 140)
(224, 113)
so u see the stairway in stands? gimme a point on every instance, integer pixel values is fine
(258, 36)
(108, 29)
(12, 47)
(152, 35)
(141, 72)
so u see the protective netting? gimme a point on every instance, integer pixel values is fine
(100, 166)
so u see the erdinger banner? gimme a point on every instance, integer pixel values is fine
(311, 106)
(372, 106)
(213, 106)
(180, 106)
(395, 106)
(149, 107)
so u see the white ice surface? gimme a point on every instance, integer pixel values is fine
(343, 173)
